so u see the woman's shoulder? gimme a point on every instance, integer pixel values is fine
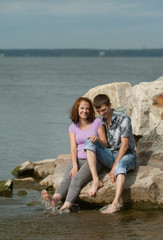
(72, 127)
(97, 121)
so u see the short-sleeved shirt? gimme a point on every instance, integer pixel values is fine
(82, 135)
(120, 127)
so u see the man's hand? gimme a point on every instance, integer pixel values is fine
(112, 177)
(73, 172)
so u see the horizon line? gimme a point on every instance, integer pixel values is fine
(101, 49)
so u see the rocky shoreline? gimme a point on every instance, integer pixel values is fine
(144, 186)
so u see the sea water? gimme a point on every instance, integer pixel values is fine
(36, 95)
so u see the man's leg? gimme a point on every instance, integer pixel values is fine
(128, 162)
(119, 186)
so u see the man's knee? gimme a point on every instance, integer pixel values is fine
(119, 170)
(127, 163)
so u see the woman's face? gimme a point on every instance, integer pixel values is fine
(84, 110)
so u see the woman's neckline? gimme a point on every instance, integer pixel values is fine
(87, 126)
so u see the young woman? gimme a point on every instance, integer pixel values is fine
(80, 169)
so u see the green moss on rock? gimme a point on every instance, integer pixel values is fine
(36, 176)
(15, 171)
(21, 193)
(33, 203)
(5, 190)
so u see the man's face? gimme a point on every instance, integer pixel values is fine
(104, 110)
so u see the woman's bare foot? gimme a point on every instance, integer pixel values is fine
(112, 208)
(95, 187)
(47, 197)
(65, 205)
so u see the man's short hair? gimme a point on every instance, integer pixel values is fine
(101, 99)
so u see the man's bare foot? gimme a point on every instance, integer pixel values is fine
(47, 197)
(95, 187)
(112, 208)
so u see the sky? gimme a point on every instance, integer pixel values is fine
(95, 24)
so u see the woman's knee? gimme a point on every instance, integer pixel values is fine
(75, 184)
(80, 179)
(90, 146)
(87, 141)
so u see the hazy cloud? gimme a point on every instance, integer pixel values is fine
(81, 23)
(78, 7)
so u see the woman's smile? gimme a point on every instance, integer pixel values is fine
(84, 109)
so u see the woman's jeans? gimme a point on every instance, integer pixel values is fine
(105, 156)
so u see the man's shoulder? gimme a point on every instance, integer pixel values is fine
(98, 116)
(120, 115)
(120, 118)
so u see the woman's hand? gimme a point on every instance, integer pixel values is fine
(93, 139)
(73, 172)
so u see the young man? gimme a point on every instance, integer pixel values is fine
(120, 155)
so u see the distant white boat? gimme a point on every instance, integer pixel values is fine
(102, 53)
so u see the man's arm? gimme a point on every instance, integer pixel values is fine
(122, 151)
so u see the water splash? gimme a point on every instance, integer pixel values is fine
(51, 210)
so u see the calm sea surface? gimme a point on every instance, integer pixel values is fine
(35, 97)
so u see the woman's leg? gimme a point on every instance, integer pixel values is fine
(92, 161)
(64, 185)
(103, 154)
(82, 177)
(51, 199)
(61, 191)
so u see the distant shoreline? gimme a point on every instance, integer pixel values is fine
(81, 53)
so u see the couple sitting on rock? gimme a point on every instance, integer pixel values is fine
(96, 142)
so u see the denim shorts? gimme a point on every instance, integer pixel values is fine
(105, 156)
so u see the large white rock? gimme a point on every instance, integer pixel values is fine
(139, 102)
(117, 93)
(143, 189)
(55, 178)
(145, 114)
(150, 148)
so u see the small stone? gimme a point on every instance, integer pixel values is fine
(21, 193)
